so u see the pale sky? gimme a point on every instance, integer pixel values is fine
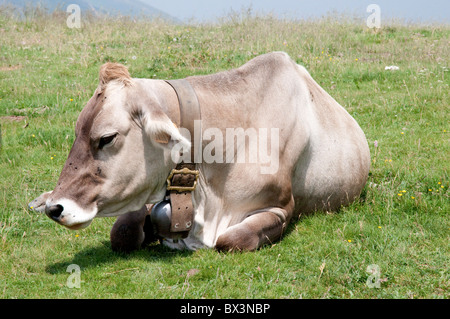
(424, 11)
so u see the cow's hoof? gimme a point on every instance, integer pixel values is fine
(132, 231)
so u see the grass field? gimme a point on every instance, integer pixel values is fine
(401, 224)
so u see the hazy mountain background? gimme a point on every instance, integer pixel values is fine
(110, 7)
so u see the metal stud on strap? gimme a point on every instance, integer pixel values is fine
(183, 171)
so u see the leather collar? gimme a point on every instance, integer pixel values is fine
(183, 179)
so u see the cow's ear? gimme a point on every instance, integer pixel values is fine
(164, 133)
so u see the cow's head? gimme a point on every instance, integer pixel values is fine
(120, 158)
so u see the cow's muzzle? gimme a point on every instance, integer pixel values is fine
(69, 214)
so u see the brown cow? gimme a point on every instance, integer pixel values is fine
(246, 195)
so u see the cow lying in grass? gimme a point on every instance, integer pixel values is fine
(309, 155)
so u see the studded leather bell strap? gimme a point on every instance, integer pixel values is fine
(182, 208)
(184, 178)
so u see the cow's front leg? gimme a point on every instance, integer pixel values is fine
(132, 230)
(254, 231)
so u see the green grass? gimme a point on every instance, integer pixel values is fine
(48, 72)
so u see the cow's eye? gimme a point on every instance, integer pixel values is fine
(106, 140)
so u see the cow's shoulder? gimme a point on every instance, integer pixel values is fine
(276, 57)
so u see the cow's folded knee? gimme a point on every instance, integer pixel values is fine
(252, 233)
(238, 238)
(132, 231)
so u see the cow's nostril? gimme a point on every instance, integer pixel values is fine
(55, 211)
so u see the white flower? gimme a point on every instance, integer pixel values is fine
(392, 67)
